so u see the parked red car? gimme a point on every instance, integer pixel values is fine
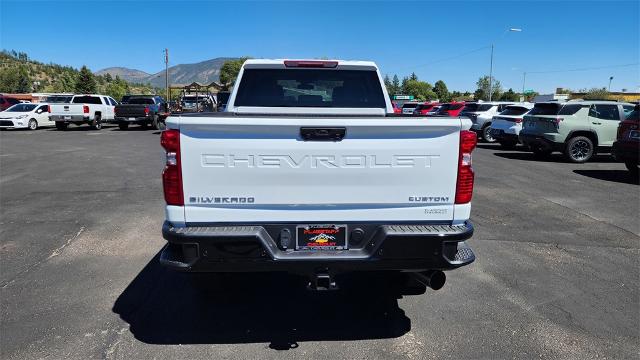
(7, 102)
(627, 146)
(396, 109)
(451, 109)
(423, 109)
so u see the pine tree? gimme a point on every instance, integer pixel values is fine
(86, 82)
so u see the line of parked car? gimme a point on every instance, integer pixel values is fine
(578, 129)
(94, 110)
(87, 109)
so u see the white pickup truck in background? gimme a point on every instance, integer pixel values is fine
(83, 109)
(309, 172)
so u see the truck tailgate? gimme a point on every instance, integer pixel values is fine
(259, 169)
(131, 110)
(66, 109)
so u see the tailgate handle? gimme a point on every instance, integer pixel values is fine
(322, 134)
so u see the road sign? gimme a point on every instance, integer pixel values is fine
(402, 97)
(528, 91)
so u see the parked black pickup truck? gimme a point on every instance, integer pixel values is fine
(143, 110)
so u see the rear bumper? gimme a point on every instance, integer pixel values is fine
(539, 141)
(137, 119)
(254, 248)
(501, 135)
(626, 151)
(69, 118)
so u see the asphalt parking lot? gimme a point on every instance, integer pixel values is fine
(556, 275)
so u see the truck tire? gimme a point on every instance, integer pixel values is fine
(123, 125)
(96, 124)
(33, 124)
(486, 134)
(61, 125)
(158, 124)
(579, 149)
(632, 166)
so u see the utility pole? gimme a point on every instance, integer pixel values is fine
(491, 75)
(524, 79)
(166, 74)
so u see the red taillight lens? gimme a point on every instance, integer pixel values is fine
(85, 109)
(310, 63)
(49, 109)
(146, 110)
(518, 120)
(464, 184)
(172, 174)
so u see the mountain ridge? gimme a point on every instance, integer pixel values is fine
(203, 72)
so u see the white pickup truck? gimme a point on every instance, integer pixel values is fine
(83, 109)
(308, 171)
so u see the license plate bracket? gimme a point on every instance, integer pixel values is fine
(321, 237)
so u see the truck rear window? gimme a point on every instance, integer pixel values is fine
(141, 101)
(310, 88)
(86, 100)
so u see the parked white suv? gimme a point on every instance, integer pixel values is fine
(84, 109)
(30, 116)
(481, 114)
(307, 173)
(506, 126)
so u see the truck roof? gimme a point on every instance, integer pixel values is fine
(279, 63)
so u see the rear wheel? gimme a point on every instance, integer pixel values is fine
(123, 125)
(61, 125)
(158, 124)
(486, 134)
(633, 168)
(96, 124)
(33, 124)
(579, 149)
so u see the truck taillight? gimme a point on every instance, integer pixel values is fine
(49, 109)
(85, 109)
(464, 184)
(172, 173)
(146, 110)
(518, 120)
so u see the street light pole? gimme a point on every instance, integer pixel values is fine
(609, 88)
(491, 75)
(166, 73)
(491, 64)
(524, 79)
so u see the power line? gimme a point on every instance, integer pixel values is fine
(583, 69)
(445, 59)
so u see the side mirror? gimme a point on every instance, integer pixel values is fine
(39, 111)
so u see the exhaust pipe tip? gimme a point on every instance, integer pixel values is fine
(437, 279)
(434, 279)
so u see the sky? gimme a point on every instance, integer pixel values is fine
(447, 41)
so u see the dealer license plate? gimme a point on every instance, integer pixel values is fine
(321, 237)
